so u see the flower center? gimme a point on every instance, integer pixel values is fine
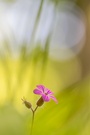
(46, 93)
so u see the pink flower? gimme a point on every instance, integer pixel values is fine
(45, 93)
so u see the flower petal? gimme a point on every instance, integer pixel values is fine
(49, 92)
(41, 87)
(51, 96)
(45, 98)
(38, 92)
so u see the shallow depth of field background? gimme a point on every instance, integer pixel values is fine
(45, 42)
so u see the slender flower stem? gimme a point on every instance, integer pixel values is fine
(35, 109)
(33, 112)
(32, 124)
(31, 109)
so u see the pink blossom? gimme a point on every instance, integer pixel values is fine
(45, 93)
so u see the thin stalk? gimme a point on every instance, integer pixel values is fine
(32, 124)
(33, 112)
(35, 109)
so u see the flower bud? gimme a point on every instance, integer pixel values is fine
(27, 104)
(40, 102)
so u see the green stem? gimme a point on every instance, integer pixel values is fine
(33, 112)
(35, 109)
(32, 124)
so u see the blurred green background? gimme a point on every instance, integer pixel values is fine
(45, 42)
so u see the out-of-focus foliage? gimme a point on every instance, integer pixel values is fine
(70, 116)
(19, 75)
